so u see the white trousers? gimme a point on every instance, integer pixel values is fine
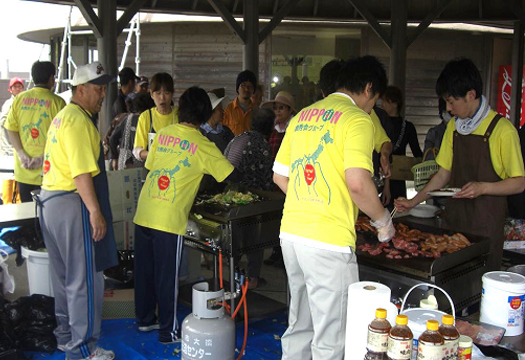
(318, 281)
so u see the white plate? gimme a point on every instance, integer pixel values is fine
(444, 192)
(424, 211)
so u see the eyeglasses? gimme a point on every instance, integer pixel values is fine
(280, 107)
(246, 87)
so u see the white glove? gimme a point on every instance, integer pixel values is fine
(36, 162)
(24, 159)
(384, 226)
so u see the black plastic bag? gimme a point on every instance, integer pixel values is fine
(28, 324)
(25, 236)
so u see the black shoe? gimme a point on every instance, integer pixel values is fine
(274, 257)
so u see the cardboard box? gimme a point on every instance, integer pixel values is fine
(401, 167)
(124, 235)
(124, 191)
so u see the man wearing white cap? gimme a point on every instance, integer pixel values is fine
(74, 217)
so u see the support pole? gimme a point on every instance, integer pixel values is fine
(398, 51)
(107, 55)
(517, 73)
(250, 50)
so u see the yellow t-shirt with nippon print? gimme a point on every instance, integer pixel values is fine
(30, 116)
(160, 121)
(321, 142)
(178, 159)
(504, 146)
(73, 149)
(380, 136)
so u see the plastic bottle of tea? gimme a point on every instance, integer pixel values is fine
(430, 343)
(451, 337)
(377, 343)
(400, 340)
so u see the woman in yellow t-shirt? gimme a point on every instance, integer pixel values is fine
(178, 159)
(152, 120)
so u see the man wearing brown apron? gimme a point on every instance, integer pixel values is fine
(480, 154)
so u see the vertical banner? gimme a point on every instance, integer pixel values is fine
(504, 91)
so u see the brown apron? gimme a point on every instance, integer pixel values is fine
(484, 215)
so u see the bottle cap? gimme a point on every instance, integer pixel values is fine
(465, 341)
(447, 320)
(381, 313)
(401, 319)
(432, 325)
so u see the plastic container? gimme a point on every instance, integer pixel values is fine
(429, 303)
(502, 298)
(430, 343)
(417, 318)
(450, 335)
(377, 342)
(465, 348)
(38, 274)
(400, 340)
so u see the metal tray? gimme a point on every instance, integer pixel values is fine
(421, 266)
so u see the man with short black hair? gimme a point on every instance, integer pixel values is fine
(76, 217)
(238, 114)
(27, 125)
(127, 80)
(326, 176)
(480, 154)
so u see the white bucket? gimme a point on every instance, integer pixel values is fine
(38, 272)
(502, 298)
(417, 318)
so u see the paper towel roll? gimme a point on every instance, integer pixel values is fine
(363, 299)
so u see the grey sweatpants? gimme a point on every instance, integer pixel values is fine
(318, 281)
(78, 288)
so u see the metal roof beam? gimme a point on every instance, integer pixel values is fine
(92, 19)
(360, 6)
(276, 20)
(128, 14)
(316, 7)
(423, 25)
(228, 18)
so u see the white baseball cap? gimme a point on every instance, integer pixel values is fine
(91, 73)
(215, 100)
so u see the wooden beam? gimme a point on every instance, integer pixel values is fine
(234, 8)
(128, 14)
(91, 18)
(276, 20)
(153, 4)
(194, 5)
(423, 25)
(361, 8)
(275, 6)
(228, 18)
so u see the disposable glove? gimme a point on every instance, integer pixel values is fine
(25, 160)
(385, 227)
(36, 162)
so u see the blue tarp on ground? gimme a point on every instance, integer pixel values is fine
(123, 337)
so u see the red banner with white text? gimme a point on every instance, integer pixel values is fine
(504, 91)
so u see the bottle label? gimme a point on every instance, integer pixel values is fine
(465, 353)
(377, 342)
(429, 352)
(399, 349)
(450, 349)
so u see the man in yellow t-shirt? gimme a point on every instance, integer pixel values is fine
(27, 124)
(153, 120)
(74, 217)
(480, 154)
(178, 159)
(324, 166)
(238, 113)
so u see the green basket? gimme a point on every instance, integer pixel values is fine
(425, 170)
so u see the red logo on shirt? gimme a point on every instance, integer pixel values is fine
(515, 303)
(163, 182)
(47, 165)
(34, 133)
(309, 174)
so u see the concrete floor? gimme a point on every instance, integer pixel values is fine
(274, 289)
